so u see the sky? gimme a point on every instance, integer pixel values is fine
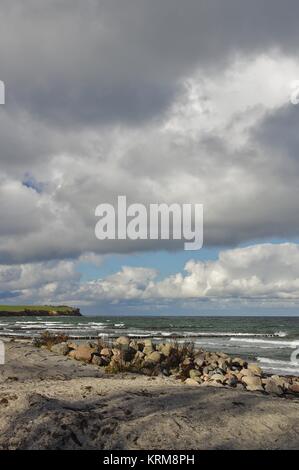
(164, 102)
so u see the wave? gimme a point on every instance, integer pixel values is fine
(279, 366)
(288, 344)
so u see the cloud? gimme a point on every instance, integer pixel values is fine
(160, 101)
(265, 273)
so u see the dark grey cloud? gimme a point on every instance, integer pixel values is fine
(90, 90)
(107, 61)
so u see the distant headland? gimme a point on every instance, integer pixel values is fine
(38, 310)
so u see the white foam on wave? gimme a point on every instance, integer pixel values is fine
(279, 366)
(287, 344)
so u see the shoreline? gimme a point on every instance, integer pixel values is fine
(48, 401)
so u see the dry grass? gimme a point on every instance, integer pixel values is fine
(49, 339)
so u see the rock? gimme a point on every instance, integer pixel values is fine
(217, 378)
(97, 360)
(255, 369)
(166, 349)
(238, 362)
(191, 382)
(231, 380)
(84, 353)
(199, 359)
(72, 354)
(294, 387)
(253, 383)
(105, 360)
(272, 387)
(123, 340)
(222, 364)
(60, 348)
(187, 361)
(280, 381)
(246, 372)
(218, 370)
(155, 357)
(139, 355)
(211, 383)
(194, 373)
(106, 352)
(213, 358)
(148, 346)
(223, 355)
(134, 345)
(72, 345)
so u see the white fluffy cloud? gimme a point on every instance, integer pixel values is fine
(264, 272)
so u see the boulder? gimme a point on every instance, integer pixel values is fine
(134, 345)
(255, 369)
(213, 358)
(217, 378)
(280, 381)
(246, 372)
(154, 357)
(223, 355)
(97, 360)
(123, 340)
(193, 373)
(238, 362)
(222, 364)
(105, 360)
(211, 383)
(187, 361)
(231, 380)
(191, 382)
(272, 387)
(294, 387)
(148, 346)
(166, 349)
(84, 353)
(60, 348)
(106, 352)
(199, 359)
(72, 354)
(253, 383)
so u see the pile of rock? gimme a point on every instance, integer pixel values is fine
(193, 367)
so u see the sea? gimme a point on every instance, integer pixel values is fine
(270, 341)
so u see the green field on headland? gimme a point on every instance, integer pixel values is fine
(51, 310)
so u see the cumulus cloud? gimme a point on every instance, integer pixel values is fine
(260, 272)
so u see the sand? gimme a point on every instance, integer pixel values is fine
(53, 402)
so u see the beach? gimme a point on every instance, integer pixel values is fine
(49, 401)
(270, 341)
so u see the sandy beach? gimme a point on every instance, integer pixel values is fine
(48, 401)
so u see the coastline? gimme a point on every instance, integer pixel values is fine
(48, 401)
(40, 311)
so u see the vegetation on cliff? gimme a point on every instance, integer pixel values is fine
(38, 310)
